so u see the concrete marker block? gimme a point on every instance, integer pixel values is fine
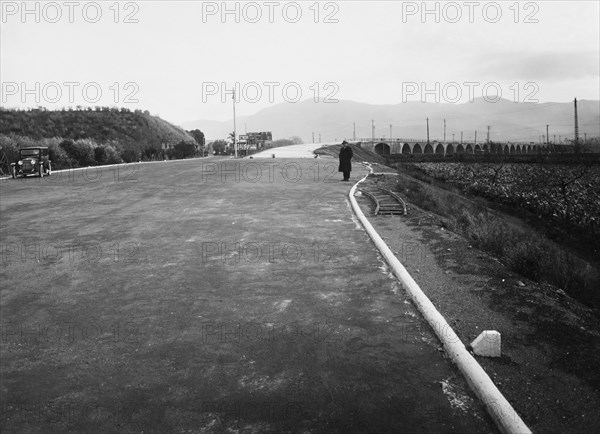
(487, 344)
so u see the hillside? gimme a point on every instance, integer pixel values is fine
(78, 138)
(133, 130)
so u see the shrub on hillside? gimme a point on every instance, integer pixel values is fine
(182, 150)
(130, 155)
(80, 153)
(111, 155)
(58, 156)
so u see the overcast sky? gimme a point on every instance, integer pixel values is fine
(174, 57)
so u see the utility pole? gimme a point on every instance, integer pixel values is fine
(487, 140)
(547, 136)
(428, 131)
(576, 125)
(475, 136)
(354, 131)
(234, 130)
(461, 137)
(390, 132)
(373, 130)
(313, 134)
(554, 139)
(444, 130)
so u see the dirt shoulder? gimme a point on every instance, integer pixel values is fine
(549, 364)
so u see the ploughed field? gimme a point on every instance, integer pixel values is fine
(567, 194)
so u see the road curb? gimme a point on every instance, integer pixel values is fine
(503, 414)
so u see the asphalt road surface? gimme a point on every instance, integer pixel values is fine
(210, 295)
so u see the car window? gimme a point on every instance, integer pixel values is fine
(30, 152)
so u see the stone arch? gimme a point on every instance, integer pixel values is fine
(460, 149)
(477, 149)
(485, 148)
(417, 149)
(512, 149)
(518, 149)
(507, 149)
(449, 149)
(439, 149)
(469, 149)
(382, 149)
(406, 149)
(428, 149)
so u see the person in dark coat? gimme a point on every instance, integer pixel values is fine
(346, 160)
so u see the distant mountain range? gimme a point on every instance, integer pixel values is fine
(508, 121)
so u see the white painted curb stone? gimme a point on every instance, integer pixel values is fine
(505, 417)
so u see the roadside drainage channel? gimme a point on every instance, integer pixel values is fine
(505, 417)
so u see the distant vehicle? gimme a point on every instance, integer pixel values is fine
(32, 161)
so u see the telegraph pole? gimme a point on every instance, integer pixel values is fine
(354, 131)
(373, 130)
(475, 136)
(488, 135)
(234, 131)
(547, 136)
(390, 132)
(576, 125)
(444, 130)
(313, 134)
(428, 131)
(461, 137)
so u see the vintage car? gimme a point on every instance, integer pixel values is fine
(32, 161)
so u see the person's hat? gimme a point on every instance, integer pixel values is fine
(344, 142)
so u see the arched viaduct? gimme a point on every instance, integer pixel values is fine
(417, 146)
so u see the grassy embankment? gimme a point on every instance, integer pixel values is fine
(524, 248)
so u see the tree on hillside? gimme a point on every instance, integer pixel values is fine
(151, 153)
(198, 137)
(297, 140)
(130, 155)
(81, 154)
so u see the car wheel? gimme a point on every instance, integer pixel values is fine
(41, 170)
